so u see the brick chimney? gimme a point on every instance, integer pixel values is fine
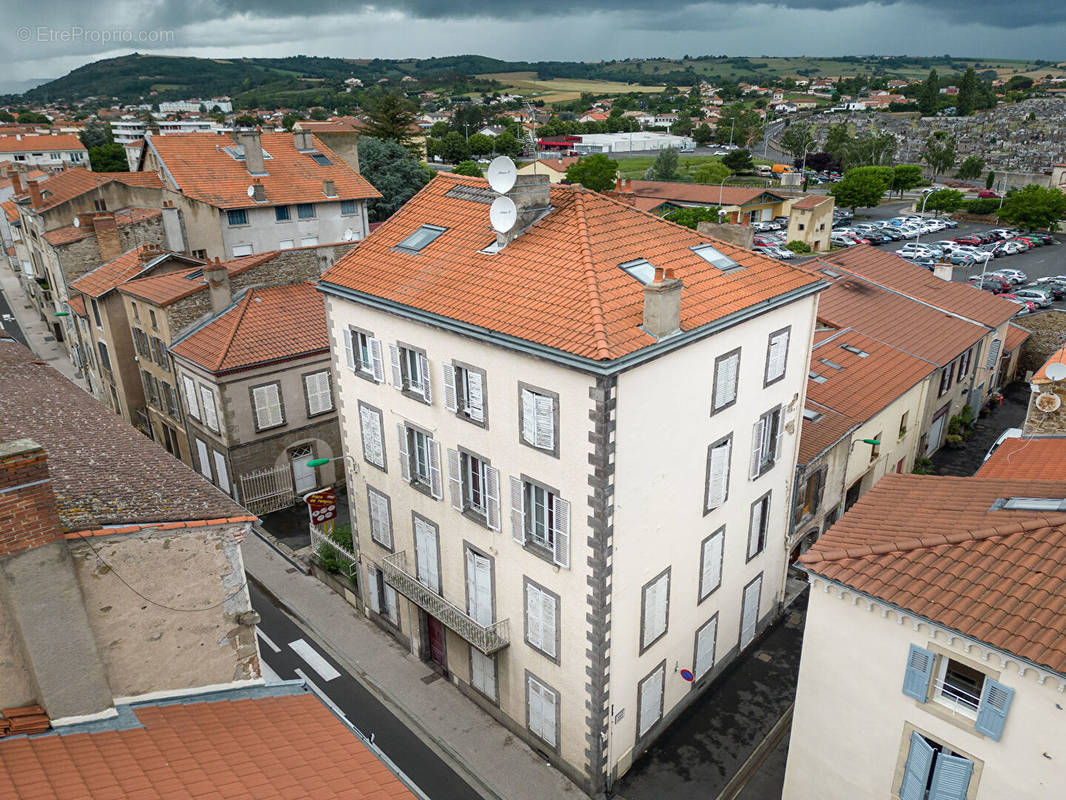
(16, 183)
(259, 193)
(329, 188)
(302, 140)
(35, 193)
(148, 252)
(85, 219)
(253, 152)
(662, 304)
(218, 287)
(108, 242)
(28, 516)
(532, 198)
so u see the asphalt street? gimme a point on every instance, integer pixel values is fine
(292, 653)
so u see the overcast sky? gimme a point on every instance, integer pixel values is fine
(48, 38)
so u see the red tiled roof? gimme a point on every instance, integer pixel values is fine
(288, 746)
(817, 436)
(203, 170)
(1016, 336)
(33, 174)
(10, 210)
(70, 183)
(49, 143)
(559, 283)
(119, 270)
(556, 164)
(173, 286)
(271, 324)
(127, 216)
(1027, 458)
(812, 201)
(933, 546)
(698, 193)
(1058, 356)
(77, 305)
(889, 270)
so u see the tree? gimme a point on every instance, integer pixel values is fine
(821, 162)
(703, 134)
(596, 172)
(906, 177)
(33, 118)
(319, 114)
(453, 148)
(1015, 84)
(468, 168)
(391, 118)
(1034, 207)
(739, 161)
(797, 138)
(108, 157)
(682, 127)
(838, 141)
(290, 119)
(944, 200)
(439, 130)
(393, 171)
(507, 145)
(692, 217)
(970, 168)
(990, 179)
(664, 168)
(966, 99)
(870, 149)
(480, 144)
(94, 135)
(5, 116)
(246, 121)
(711, 172)
(929, 95)
(860, 188)
(939, 152)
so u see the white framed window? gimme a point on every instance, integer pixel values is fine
(758, 524)
(464, 391)
(474, 486)
(286, 244)
(221, 473)
(483, 673)
(706, 641)
(242, 250)
(726, 379)
(207, 398)
(717, 487)
(654, 609)
(319, 392)
(427, 553)
(266, 404)
(749, 612)
(766, 441)
(203, 458)
(420, 459)
(410, 371)
(308, 241)
(776, 356)
(541, 518)
(542, 620)
(711, 556)
(370, 426)
(539, 417)
(542, 710)
(380, 513)
(650, 694)
(363, 354)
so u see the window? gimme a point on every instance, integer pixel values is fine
(717, 486)
(159, 351)
(758, 523)
(370, 425)
(418, 240)
(237, 216)
(242, 250)
(809, 496)
(959, 687)
(934, 771)
(379, 508)
(903, 424)
(946, 375)
(140, 343)
(286, 244)
(202, 458)
(319, 393)
(483, 673)
(706, 639)
(266, 403)
(776, 356)
(362, 353)
(475, 487)
(464, 391)
(766, 441)
(420, 460)
(308, 241)
(151, 389)
(749, 613)
(654, 609)
(410, 372)
(347, 207)
(650, 697)
(542, 620)
(964, 364)
(539, 419)
(190, 397)
(711, 552)
(96, 312)
(155, 322)
(850, 348)
(726, 376)
(541, 519)
(542, 708)
(305, 210)
(814, 376)
(281, 214)
(641, 269)
(170, 396)
(207, 399)
(105, 359)
(221, 473)
(136, 311)
(715, 258)
(381, 597)
(427, 553)
(810, 415)
(200, 254)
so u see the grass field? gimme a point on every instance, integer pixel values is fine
(686, 165)
(559, 90)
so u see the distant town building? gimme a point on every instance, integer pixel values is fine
(48, 152)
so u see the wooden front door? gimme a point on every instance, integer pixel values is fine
(436, 640)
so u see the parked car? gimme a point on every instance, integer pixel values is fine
(782, 252)
(1031, 240)
(987, 193)
(1041, 297)
(1052, 279)
(1058, 290)
(989, 283)
(960, 259)
(891, 233)
(971, 240)
(1046, 238)
(949, 223)
(839, 240)
(1026, 306)
(1015, 276)
(1010, 433)
(976, 253)
(921, 250)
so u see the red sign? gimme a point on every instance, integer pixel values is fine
(686, 675)
(321, 505)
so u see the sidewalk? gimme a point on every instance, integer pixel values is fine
(37, 333)
(478, 748)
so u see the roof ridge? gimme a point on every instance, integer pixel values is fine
(598, 327)
(240, 308)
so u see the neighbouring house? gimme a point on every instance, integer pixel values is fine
(741, 204)
(49, 152)
(573, 441)
(810, 220)
(554, 168)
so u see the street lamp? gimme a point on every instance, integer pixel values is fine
(924, 201)
(803, 167)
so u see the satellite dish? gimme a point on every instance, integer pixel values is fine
(349, 235)
(77, 222)
(251, 190)
(1048, 402)
(503, 214)
(1055, 371)
(502, 174)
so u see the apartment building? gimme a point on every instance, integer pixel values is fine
(932, 662)
(810, 220)
(571, 449)
(48, 152)
(259, 396)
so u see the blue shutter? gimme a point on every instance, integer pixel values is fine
(951, 778)
(919, 669)
(992, 713)
(916, 773)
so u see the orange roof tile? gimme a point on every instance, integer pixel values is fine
(559, 283)
(10, 210)
(935, 546)
(1058, 356)
(203, 170)
(812, 201)
(556, 164)
(127, 216)
(119, 270)
(77, 305)
(47, 144)
(33, 174)
(699, 193)
(1016, 336)
(818, 435)
(70, 183)
(173, 286)
(202, 749)
(265, 325)
(1036, 458)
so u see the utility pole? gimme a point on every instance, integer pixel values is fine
(731, 126)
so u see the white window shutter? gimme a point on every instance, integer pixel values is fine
(755, 527)
(391, 603)
(372, 588)
(423, 367)
(207, 397)
(378, 365)
(191, 404)
(711, 564)
(436, 487)
(780, 433)
(662, 602)
(726, 386)
(373, 449)
(529, 417)
(394, 361)
(534, 614)
(202, 456)
(518, 511)
(651, 695)
(349, 349)
(756, 447)
(561, 514)
(545, 414)
(705, 643)
(405, 458)
(475, 396)
(483, 672)
(450, 401)
(547, 623)
(718, 474)
(492, 497)
(455, 479)
(220, 472)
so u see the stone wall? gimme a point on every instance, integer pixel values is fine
(270, 452)
(78, 258)
(1048, 332)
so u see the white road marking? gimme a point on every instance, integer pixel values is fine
(314, 660)
(325, 698)
(267, 640)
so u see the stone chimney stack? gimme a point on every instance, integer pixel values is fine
(35, 193)
(532, 198)
(329, 188)
(259, 193)
(174, 228)
(253, 152)
(218, 287)
(108, 241)
(662, 304)
(16, 183)
(302, 140)
(943, 270)
(28, 516)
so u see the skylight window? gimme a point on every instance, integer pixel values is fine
(639, 268)
(715, 257)
(321, 159)
(814, 376)
(811, 415)
(194, 275)
(494, 247)
(236, 152)
(418, 240)
(853, 349)
(1034, 504)
(831, 273)
(830, 364)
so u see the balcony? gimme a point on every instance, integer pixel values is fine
(486, 638)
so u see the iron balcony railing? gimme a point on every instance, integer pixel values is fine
(957, 699)
(486, 638)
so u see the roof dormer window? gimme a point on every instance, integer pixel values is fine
(639, 268)
(421, 238)
(715, 257)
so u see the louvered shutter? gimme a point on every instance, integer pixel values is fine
(349, 349)
(534, 617)
(951, 778)
(545, 413)
(492, 497)
(756, 447)
(749, 619)
(405, 458)
(221, 473)
(319, 398)
(372, 589)
(775, 359)
(529, 417)
(711, 564)
(718, 474)
(651, 697)
(518, 511)
(426, 378)
(436, 487)
(373, 446)
(426, 554)
(705, 643)
(380, 519)
(207, 397)
(378, 365)
(993, 354)
(394, 362)
(755, 528)
(992, 712)
(391, 605)
(916, 773)
(455, 479)
(547, 623)
(450, 401)
(725, 390)
(656, 600)
(561, 529)
(190, 397)
(537, 709)
(478, 588)
(201, 453)
(483, 673)
(475, 396)
(919, 669)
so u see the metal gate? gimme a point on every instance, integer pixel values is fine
(267, 490)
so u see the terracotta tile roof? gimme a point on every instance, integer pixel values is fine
(556, 164)
(812, 201)
(173, 286)
(558, 284)
(648, 204)
(818, 435)
(923, 331)
(265, 325)
(1027, 458)
(77, 305)
(206, 172)
(47, 143)
(699, 193)
(1016, 336)
(289, 746)
(1058, 356)
(33, 174)
(70, 183)
(933, 546)
(10, 211)
(119, 270)
(104, 472)
(887, 269)
(127, 216)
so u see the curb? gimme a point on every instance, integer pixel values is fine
(754, 761)
(409, 720)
